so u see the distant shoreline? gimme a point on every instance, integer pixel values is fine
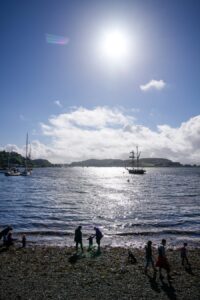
(17, 160)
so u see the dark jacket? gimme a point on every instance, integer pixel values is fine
(78, 235)
(5, 231)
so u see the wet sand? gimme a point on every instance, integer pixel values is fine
(45, 273)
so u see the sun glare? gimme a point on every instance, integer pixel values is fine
(115, 46)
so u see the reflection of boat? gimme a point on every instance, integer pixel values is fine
(27, 171)
(135, 169)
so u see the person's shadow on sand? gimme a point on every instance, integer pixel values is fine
(3, 249)
(95, 253)
(169, 290)
(153, 283)
(75, 257)
(188, 269)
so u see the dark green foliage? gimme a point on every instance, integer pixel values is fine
(13, 159)
(10, 159)
(42, 163)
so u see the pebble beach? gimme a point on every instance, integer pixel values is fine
(46, 273)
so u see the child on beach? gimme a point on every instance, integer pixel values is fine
(99, 236)
(131, 257)
(23, 241)
(162, 261)
(9, 240)
(90, 240)
(184, 254)
(148, 255)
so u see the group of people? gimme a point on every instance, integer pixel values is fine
(8, 239)
(79, 241)
(162, 262)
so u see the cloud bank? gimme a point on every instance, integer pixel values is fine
(105, 132)
(153, 85)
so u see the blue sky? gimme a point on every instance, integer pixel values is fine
(155, 90)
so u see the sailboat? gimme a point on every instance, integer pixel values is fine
(27, 171)
(135, 168)
(11, 171)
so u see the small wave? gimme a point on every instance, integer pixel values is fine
(172, 232)
(78, 192)
(46, 233)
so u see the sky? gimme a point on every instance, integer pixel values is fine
(94, 79)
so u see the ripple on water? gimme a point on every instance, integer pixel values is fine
(52, 202)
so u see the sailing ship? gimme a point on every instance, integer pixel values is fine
(135, 168)
(27, 170)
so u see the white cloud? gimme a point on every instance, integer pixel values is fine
(97, 118)
(12, 148)
(110, 133)
(57, 102)
(153, 85)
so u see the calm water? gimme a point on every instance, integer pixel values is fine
(129, 209)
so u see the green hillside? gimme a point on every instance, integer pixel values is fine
(13, 159)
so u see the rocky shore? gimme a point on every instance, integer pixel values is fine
(46, 273)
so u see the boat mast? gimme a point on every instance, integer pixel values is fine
(29, 155)
(26, 151)
(137, 156)
(132, 157)
(8, 160)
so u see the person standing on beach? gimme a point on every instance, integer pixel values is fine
(5, 232)
(98, 235)
(90, 240)
(78, 238)
(184, 254)
(9, 240)
(23, 241)
(148, 255)
(162, 261)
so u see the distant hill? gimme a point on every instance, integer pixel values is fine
(144, 162)
(15, 159)
(41, 163)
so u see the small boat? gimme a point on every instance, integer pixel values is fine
(12, 172)
(135, 168)
(27, 171)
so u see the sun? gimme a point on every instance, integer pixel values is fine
(114, 45)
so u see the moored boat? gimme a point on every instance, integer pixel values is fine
(135, 168)
(12, 172)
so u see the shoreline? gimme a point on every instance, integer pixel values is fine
(44, 272)
(124, 240)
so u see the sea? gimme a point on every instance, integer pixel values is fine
(129, 209)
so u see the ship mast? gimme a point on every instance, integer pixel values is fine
(137, 157)
(26, 151)
(132, 157)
